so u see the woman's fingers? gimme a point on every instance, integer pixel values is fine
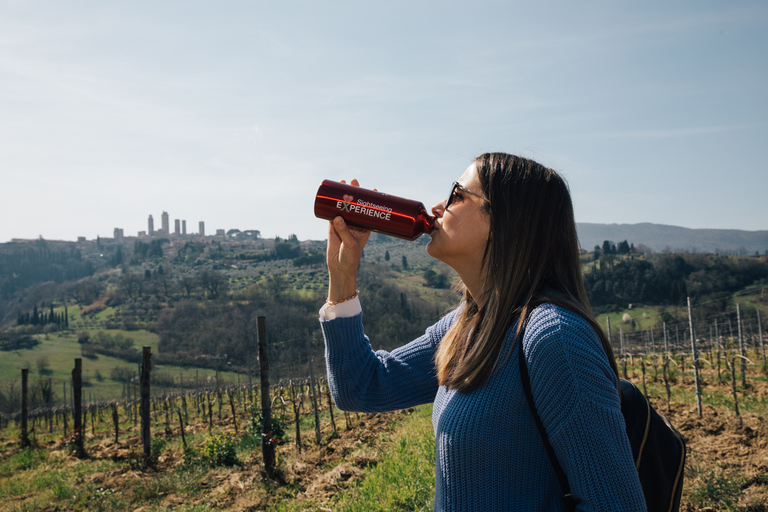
(345, 243)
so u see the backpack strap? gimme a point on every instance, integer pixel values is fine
(570, 503)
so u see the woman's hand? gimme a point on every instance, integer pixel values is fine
(345, 248)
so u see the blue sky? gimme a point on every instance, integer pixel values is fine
(234, 112)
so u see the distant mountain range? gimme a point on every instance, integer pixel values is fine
(660, 237)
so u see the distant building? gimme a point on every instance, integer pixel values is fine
(177, 227)
(166, 224)
(220, 232)
(81, 239)
(118, 235)
(142, 234)
(151, 226)
(184, 227)
(202, 228)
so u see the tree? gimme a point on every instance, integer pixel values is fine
(609, 247)
(435, 280)
(277, 284)
(405, 262)
(215, 283)
(130, 284)
(117, 259)
(386, 255)
(189, 283)
(43, 365)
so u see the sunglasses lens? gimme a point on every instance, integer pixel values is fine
(451, 195)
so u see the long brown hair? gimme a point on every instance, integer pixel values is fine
(531, 257)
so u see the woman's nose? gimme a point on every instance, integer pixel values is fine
(438, 209)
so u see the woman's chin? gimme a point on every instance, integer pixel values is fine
(432, 248)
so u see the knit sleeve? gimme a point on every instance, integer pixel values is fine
(367, 381)
(575, 391)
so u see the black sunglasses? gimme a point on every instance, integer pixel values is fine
(457, 186)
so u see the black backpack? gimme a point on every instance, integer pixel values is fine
(657, 447)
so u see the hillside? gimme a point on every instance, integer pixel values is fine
(660, 237)
(195, 302)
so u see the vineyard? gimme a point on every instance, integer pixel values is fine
(248, 444)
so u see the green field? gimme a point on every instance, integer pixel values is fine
(54, 358)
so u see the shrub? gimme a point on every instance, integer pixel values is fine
(219, 450)
(156, 448)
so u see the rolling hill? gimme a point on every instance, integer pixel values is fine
(677, 239)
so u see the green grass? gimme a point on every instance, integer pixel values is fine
(714, 487)
(644, 318)
(403, 480)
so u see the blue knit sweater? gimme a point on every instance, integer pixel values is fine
(489, 454)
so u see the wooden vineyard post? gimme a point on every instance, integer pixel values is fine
(210, 411)
(167, 410)
(296, 401)
(330, 405)
(732, 368)
(145, 411)
(181, 427)
(665, 374)
(695, 360)
(24, 407)
(134, 402)
(741, 348)
(621, 345)
(267, 446)
(232, 406)
(719, 375)
(77, 416)
(608, 321)
(115, 420)
(760, 333)
(314, 395)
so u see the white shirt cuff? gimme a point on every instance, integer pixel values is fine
(345, 309)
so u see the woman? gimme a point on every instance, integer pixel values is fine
(508, 230)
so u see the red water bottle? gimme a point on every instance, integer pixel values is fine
(368, 209)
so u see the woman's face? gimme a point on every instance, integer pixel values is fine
(461, 230)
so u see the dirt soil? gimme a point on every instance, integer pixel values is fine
(722, 441)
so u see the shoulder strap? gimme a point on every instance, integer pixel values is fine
(570, 503)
